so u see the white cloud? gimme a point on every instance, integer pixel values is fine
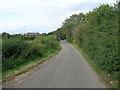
(40, 15)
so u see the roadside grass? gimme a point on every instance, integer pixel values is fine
(11, 74)
(109, 81)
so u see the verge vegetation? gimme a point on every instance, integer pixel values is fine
(18, 52)
(96, 33)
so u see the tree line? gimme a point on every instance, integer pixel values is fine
(96, 32)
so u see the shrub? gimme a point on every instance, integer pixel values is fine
(17, 51)
(96, 32)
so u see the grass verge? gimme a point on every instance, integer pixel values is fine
(109, 81)
(11, 74)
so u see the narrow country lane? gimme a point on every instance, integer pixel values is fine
(68, 69)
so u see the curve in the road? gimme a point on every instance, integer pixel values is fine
(68, 69)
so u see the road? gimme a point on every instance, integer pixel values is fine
(68, 69)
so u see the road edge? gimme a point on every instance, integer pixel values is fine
(102, 74)
(29, 70)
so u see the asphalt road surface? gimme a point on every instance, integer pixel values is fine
(68, 69)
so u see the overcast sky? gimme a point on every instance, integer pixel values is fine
(21, 16)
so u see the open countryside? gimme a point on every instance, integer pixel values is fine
(82, 53)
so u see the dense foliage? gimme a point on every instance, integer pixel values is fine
(58, 34)
(97, 34)
(16, 50)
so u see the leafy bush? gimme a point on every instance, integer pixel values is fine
(49, 42)
(17, 51)
(96, 32)
(99, 38)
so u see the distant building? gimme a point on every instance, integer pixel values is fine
(32, 34)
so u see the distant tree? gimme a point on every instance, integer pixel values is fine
(44, 34)
(5, 35)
